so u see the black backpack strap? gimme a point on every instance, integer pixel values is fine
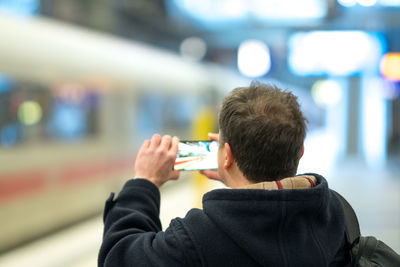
(352, 227)
(373, 251)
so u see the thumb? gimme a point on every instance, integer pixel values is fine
(174, 175)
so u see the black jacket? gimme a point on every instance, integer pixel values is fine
(237, 227)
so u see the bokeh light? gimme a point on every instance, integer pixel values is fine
(390, 66)
(20, 7)
(254, 58)
(326, 93)
(29, 112)
(5, 83)
(8, 135)
(367, 2)
(347, 3)
(394, 3)
(334, 52)
(193, 48)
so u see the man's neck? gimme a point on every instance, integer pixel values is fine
(236, 179)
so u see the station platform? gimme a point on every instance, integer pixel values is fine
(78, 246)
(375, 196)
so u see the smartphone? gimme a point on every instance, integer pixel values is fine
(197, 155)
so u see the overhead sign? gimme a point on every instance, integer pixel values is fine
(334, 52)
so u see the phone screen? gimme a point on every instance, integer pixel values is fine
(197, 155)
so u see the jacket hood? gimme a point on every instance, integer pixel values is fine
(288, 225)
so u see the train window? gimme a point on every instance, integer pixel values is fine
(9, 128)
(73, 115)
(178, 114)
(67, 121)
(181, 110)
(30, 112)
(149, 114)
(23, 109)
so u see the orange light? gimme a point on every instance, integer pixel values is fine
(390, 66)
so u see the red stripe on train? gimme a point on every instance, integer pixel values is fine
(22, 183)
(94, 170)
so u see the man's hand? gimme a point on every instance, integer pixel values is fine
(214, 175)
(156, 158)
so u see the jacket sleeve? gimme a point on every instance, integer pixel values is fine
(132, 231)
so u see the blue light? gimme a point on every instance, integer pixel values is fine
(289, 10)
(150, 115)
(8, 136)
(213, 10)
(224, 13)
(336, 53)
(19, 7)
(369, 3)
(68, 121)
(5, 83)
(374, 122)
(390, 3)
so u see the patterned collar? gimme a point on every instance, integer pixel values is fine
(297, 182)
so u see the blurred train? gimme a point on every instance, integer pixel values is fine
(74, 106)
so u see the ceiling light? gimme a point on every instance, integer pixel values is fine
(347, 3)
(367, 2)
(193, 48)
(254, 58)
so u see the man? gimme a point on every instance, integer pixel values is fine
(270, 217)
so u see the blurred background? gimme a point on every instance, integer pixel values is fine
(83, 83)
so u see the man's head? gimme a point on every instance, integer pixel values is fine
(264, 129)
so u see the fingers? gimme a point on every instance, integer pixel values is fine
(155, 141)
(214, 175)
(175, 145)
(174, 175)
(213, 136)
(166, 142)
(155, 159)
(144, 147)
(145, 144)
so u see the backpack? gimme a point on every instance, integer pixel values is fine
(365, 250)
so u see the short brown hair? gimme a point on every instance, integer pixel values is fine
(265, 129)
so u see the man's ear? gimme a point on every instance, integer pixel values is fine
(302, 151)
(229, 159)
